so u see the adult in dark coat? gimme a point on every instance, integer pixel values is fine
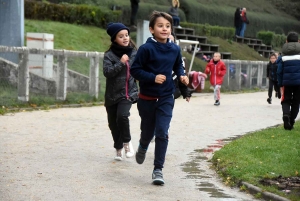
(237, 21)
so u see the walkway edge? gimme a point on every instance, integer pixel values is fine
(266, 195)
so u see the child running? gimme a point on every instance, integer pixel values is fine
(272, 76)
(153, 67)
(217, 70)
(121, 89)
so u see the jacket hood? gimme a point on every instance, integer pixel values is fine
(291, 48)
(162, 46)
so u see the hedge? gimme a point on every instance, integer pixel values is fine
(79, 14)
(270, 38)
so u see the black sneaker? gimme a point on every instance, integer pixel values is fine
(157, 177)
(286, 122)
(217, 103)
(279, 96)
(276, 95)
(269, 100)
(140, 155)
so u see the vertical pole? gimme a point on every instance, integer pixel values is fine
(94, 77)
(61, 91)
(193, 57)
(23, 77)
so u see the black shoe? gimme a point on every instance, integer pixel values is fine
(217, 103)
(286, 122)
(279, 96)
(140, 155)
(157, 177)
(276, 94)
(269, 100)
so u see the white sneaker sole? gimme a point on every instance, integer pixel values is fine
(131, 153)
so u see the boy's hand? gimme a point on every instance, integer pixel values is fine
(184, 80)
(159, 79)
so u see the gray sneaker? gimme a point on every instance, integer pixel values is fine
(140, 155)
(157, 177)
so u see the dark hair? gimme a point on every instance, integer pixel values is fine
(157, 14)
(173, 34)
(272, 55)
(292, 37)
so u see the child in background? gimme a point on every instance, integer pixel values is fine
(174, 13)
(288, 75)
(121, 89)
(153, 67)
(217, 69)
(272, 76)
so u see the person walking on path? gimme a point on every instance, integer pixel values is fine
(134, 10)
(245, 21)
(174, 13)
(272, 76)
(121, 89)
(217, 70)
(153, 67)
(237, 21)
(288, 74)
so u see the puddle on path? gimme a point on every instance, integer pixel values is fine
(205, 178)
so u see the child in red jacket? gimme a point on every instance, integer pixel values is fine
(216, 69)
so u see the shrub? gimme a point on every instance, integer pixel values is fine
(79, 14)
(270, 38)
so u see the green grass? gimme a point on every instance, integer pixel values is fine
(263, 154)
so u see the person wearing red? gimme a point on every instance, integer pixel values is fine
(216, 69)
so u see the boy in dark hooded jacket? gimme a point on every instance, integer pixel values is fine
(288, 75)
(272, 76)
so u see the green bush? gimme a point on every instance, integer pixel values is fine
(270, 38)
(79, 14)
(208, 30)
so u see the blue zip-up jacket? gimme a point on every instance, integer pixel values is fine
(288, 70)
(155, 58)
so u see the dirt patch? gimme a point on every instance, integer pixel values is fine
(286, 184)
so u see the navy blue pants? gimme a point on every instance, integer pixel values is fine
(156, 116)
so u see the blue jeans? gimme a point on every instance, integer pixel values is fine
(176, 20)
(156, 116)
(243, 29)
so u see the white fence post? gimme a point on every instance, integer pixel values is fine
(94, 77)
(61, 91)
(23, 77)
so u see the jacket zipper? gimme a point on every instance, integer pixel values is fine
(215, 74)
(127, 79)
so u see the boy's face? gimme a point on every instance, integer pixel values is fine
(161, 30)
(217, 57)
(272, 59)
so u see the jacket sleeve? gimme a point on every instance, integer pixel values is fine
(207, 69)
(184, 90)
(137, 69)
(223, 69)
(111, 68)
(279, 71)
(178, 67)
(268, 70)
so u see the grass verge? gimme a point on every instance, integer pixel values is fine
(264, 154)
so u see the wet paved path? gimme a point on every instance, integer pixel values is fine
(67, 154)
